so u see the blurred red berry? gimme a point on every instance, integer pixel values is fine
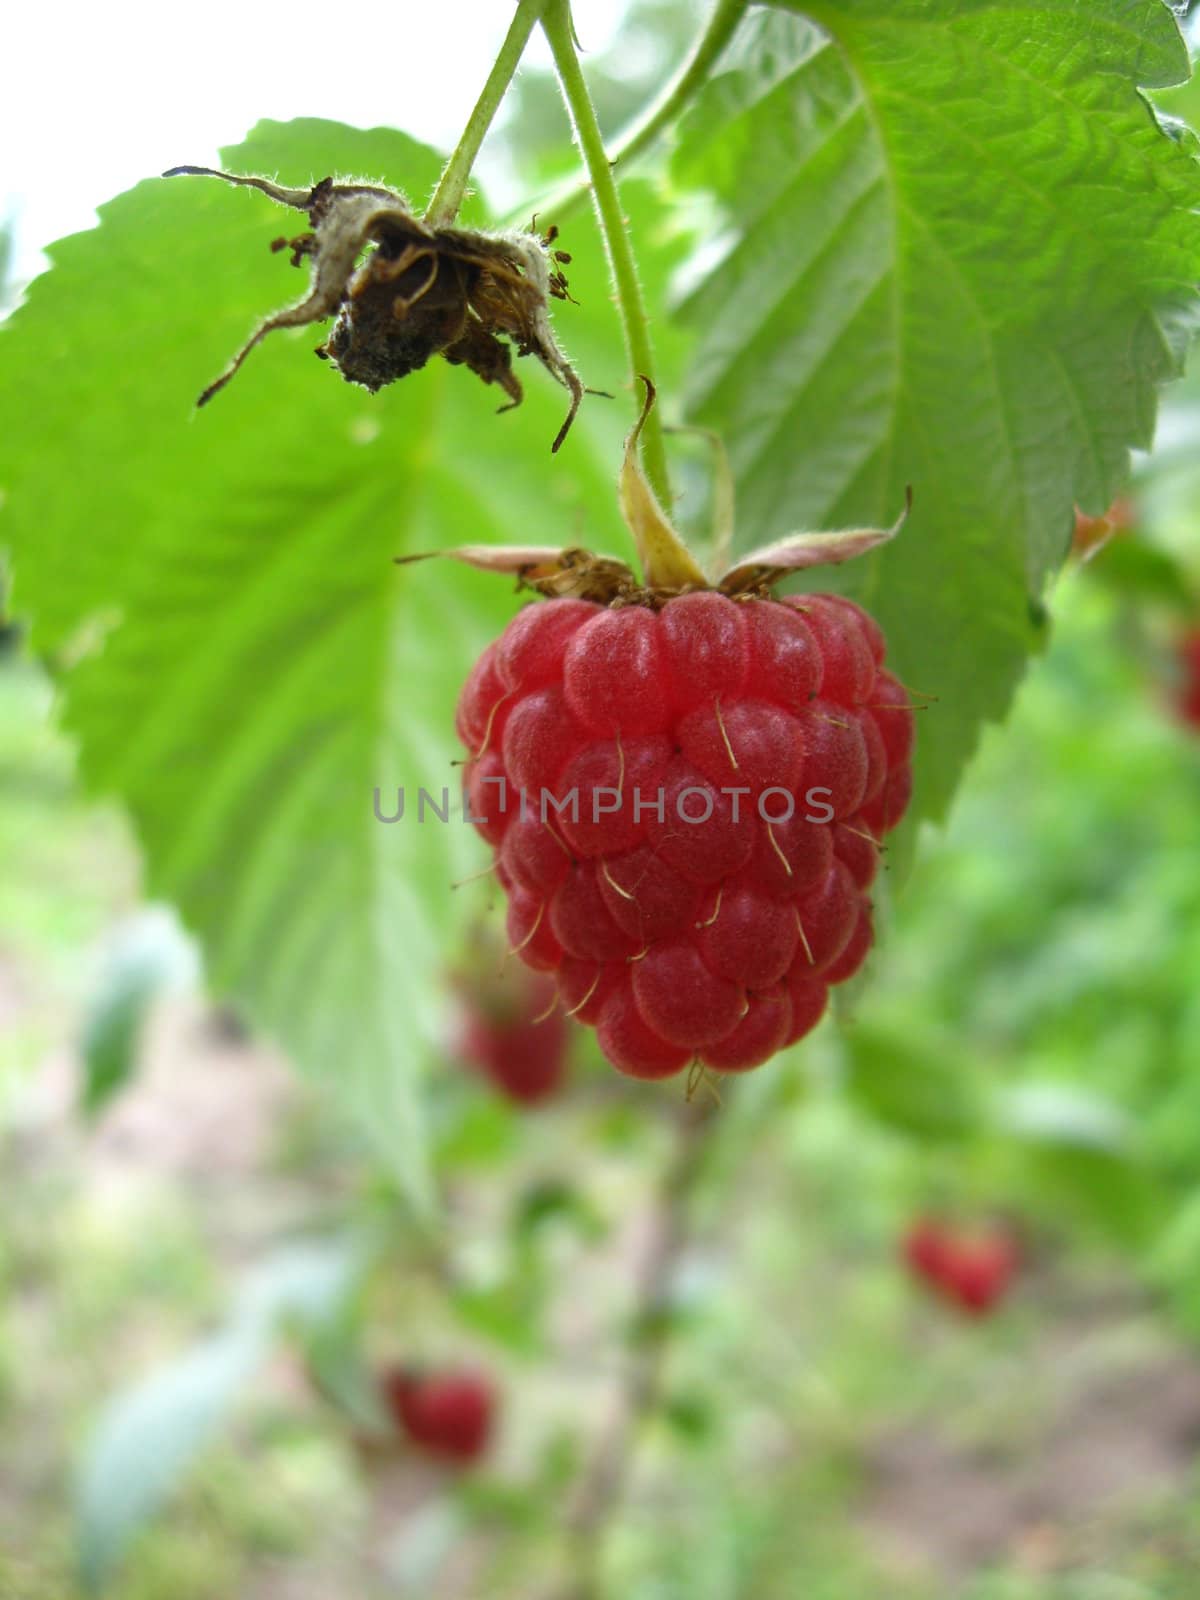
(981, 1274)
(972, 1272)
(1187, 689)
(926, 1249)
(514, 1031)
(447, 1415)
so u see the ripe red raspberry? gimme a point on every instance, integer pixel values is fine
(686, 799)
(447, 1415)
(512, 1032)
(972, 1272)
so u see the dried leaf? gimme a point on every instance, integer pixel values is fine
(802, 550)
(574, 572)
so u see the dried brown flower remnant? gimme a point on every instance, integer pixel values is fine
(417, 292)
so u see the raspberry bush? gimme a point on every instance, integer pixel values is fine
(887, 303)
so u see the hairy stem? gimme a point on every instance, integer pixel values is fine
(556, 22)
(658, 116)
(452, 185)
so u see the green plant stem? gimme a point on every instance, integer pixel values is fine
(604, 1483)
(452, 185)
(645, 128)
(556, 23)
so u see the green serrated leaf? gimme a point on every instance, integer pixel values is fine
(958, 253)
(240, 661)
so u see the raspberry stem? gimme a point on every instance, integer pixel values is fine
(657, 117)
(605, 1479)
(557, 26)
(452, 185)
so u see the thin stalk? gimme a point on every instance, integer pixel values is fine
(602, 1491)
(645, 128)
(556, 23)
(452, 185)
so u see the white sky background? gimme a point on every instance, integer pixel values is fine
(97, 97)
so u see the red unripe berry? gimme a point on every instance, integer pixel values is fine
(447, 1415)
(719, 775)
